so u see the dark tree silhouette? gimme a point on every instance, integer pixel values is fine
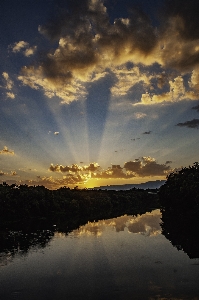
(180, 193)
(179, 200)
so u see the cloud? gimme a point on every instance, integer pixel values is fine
(30, 51)
(147, 166)
(8, 85)
(8, 82)
(91, 167)
(147, 132)
(112, 172)
(10, 95)
(190, 124)
(141, 167)
(18, 46)
(91, 46)
(56, 132)
(2, 173)
(168, 162)
(177, 93)
(59, 168)
(74, 168)
(127, 78)
(6, 151)
(196, 108)
(13, 173)
(140, 115)
(179, 35)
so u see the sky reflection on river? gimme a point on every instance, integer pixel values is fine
(119, 258)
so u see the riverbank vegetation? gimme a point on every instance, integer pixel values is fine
(179, 201)
(22, 202)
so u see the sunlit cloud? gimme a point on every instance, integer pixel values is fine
(127, 78)
(5, 150)
(8, 85)
(96, 47)
(8, 82)
(30, 51)
(177, 93)
(74, 168)
(13, 173)
(18, 46)
(22, 45)
(141, 167)
(10, 95)
(85, 53)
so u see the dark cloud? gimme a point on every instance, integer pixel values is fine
(168, 162)
(162, 80)
(133, 166)
(190, 124)
(59, 168)
(114, 172)
(188, 12)
(147, 132)
(93, 167)
(179, 34)
(147, 166)
(196, 108)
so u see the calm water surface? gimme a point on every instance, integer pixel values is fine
(121, 258)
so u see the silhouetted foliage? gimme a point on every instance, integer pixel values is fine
(181, 232)
(180, 193)
(22, 202)
(179, 200)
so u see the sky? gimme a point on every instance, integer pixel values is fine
(97, 92)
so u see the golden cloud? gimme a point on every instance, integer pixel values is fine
(177, 93)
(141, 167)
(6, 151)
(90, 47)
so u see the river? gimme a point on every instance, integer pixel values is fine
(121, 258)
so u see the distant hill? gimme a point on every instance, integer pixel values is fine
(147, 185)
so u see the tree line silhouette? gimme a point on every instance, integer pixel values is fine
(179, 201)
(21, 202)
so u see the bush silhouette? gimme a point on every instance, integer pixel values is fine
(180, 193)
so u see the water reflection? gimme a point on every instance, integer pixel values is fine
(146, 224)
(22, 238)
(14, 243)
(182, 232)
(124, 257)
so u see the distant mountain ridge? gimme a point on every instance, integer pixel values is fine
(146, 185)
